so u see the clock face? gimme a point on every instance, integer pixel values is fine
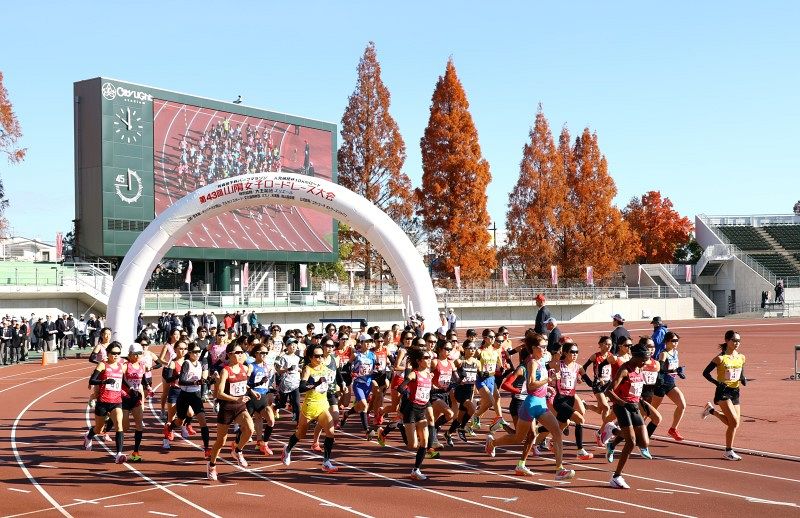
(128, 125)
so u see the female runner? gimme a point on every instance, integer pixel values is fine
(171, 387)
(262, 379)
(442, 368)
(467, 372)
(671, 369)
(232, 393)
(133, 374)
(416, 388)
(602, 377)
(166, 356)
(314, 383)
(730, 375)
(108, 377)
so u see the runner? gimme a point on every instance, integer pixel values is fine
(467, 372)
(363, 364)
(602, 377)
(171, 375)
(650, 371)
(262, 379)
(567, 404)
(314, 383)
(232, 393)
(108, 377)
(490, 357)
(730, 375)
(416, 388)
(533, 408)
(166, 356)
(133, 375)
(287, 370)
(380, 378)
(670, 369)
(442, 368)
(624, 394)
(335, 383)
(192, 381)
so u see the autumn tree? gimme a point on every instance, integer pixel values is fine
(535, 204)
(657, 227)
(599, 236)
(452, 199)
(372, 154)
(10, 133)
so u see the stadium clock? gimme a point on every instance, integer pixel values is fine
(129, 126)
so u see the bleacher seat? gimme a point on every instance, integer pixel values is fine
(777, 264)
(788, 236)
(745, 237)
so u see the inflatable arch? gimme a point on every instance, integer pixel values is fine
(258, 189)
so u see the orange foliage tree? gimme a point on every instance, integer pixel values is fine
(452, 199)
(10, 133)
(535, 205)
(372, 155)
(658, 228)
(598, 235)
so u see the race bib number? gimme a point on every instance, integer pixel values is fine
(567, 381)
(134, 384)
(258, 379)
(239, 388)
(322, 388)
(116, 386)
(470, 376)
(650, 377)
(636, 388)
(382, 363)
(490, 368)
(364, 369)
(672, 363)
(733, 374)
(605, 373)
(444, 378)
(423, 395)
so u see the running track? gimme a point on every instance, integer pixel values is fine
(45, 472)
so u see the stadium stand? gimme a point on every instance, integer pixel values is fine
(746, 238)
(787, 236)
(776, 263)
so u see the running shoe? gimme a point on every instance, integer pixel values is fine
(211, 472)
(92, 403)
(416, 474)
(381, 437)
(523, 471)
(672, 432)
(263, 447)
(316, 447)
(165, 444)
(475, 424)
(191, 431)
(436, 445)
(497, 424)
(584, 455)
(267, 450)
(548, 444)
(538, 450)
(168, 434)
(87, 442)
(489, 448)
(610, 451)
(328, 467)
(707, 410)
(239, 458)
(566, 431)
(645, 452)
(462, 434)
(371, 435)
(565, 474)
(184, 432)
(135, 457)
(471, 432)
(448, 439)
(731, 455)
(432, 454)
(597, 438)
(207, 453)
(286, 457)
(121, 458)
(619, 483)
(379, 417)
(608, 432)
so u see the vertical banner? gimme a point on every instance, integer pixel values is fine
(457, 271)
(188, 278)
(505, 276)
(352, 279)
(554, 275)
(245, 276)
(590, 275)
(638, 274)
(689, 273)
(304, 276)
(59, 246)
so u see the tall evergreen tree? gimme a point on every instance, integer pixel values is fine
(535, 204)
(452, 200)
(372, 155)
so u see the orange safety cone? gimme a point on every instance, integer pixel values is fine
(44, 358)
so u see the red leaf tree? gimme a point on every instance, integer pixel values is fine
(657, 227)
(10, 133)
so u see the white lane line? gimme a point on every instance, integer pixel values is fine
(42, 465)
(82, 369)
(667, 492)
(679, 491)
(82, 501)
(162, 514)
(150, 480)
(211, 486)
(604, 510)
(123, 505)
(762, 475)
(18, 490)
(249, 494)
(504, 499)
(771, 502)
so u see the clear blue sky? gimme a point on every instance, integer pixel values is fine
(696, 99)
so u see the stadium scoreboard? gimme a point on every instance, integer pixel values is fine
(139, 149)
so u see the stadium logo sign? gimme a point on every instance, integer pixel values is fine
(111, 92)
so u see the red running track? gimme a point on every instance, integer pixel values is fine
(46, 473)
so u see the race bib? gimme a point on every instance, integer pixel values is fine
(650, 377)
(672, 363)
(134, 384)
(490, 367)
(364, 370)
(423, 395)
(445, 377)
(636, 388)
(470, 376)
(567, 381)
(322, 388)
(239, 388)
(733, 374)
(116, 386)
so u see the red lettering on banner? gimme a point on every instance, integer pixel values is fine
(285, 184)
(248, 185)
(330, 196)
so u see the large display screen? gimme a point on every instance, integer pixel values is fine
(195, 146)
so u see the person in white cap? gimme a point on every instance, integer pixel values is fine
(619, 330)
(553, 336)
(451, 319)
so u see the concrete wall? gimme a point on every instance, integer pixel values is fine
(735, 275)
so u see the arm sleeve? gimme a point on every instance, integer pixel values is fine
(508, 383)
(587, 364)
(306, 385)
(586, 379)
(742, 378)
(707, 373)
(94, 379)
(93, 358)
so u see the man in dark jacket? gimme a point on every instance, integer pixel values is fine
(619, 330)
(553, 336)
(541, 316)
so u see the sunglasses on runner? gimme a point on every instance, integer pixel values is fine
(674, 340)
(194, 351)
(238, 352)
(317, 355)
(573, 351)
(114, 353)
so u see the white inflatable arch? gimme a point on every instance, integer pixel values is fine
(259, 189)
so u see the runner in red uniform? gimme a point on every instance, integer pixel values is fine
(132, 397)
(108, 377)
(416, 391)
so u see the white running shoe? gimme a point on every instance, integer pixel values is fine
(87, 442)
(547, 444)
(731, 455)
(489, 448)
(165, 444)
(619, 483)
(211, 472)
(437, 445)
(184, 432)
(707, 410)
(238, 456)
(523, 471)
(582, 454)
(328, 467)
(286, 457)
(416, 474)
(607, 432)
(121, 458)
(538, 450)
(565, 474)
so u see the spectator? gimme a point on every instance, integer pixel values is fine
(16, 342)
(764, 298)
(25, 333)
(80, 332)
(553, 336)
(541, 316)
(5, 340)
(49, 332)
(451, 320)
(779, 292)
(139, 323)
(619, 330)
(252, 319)
(659, 330)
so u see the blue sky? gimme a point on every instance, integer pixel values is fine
(696, 99)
